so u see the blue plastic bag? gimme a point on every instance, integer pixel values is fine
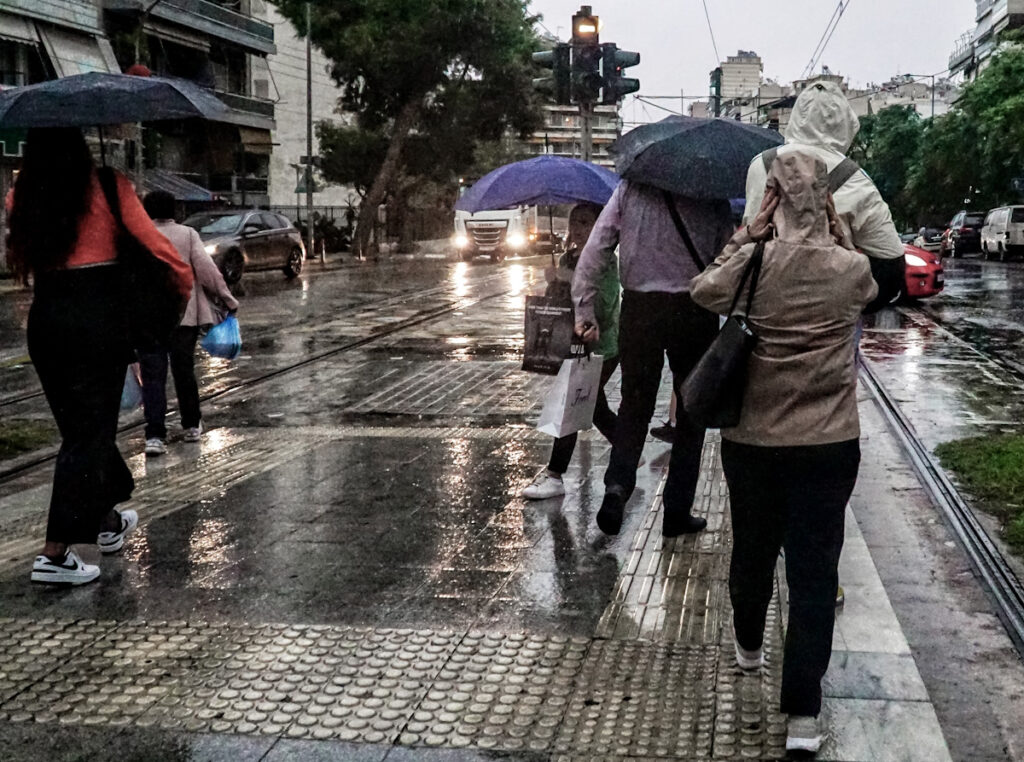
(131, 394)
(224, 340)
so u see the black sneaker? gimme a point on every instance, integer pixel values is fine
(609, 518)
(673, 526)
(665, 433)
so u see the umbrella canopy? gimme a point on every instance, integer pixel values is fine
(544, 180)
(699, 158)
(97, 98)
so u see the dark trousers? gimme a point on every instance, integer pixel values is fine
(604, 420)
(792, 498)
(76, 338)
(652, 325)
(182, 351)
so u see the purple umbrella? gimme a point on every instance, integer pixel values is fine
(546, 180)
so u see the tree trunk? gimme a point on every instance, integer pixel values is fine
(407, 118)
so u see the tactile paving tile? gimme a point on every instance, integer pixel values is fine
(638, 699)
(504, 692)
(748, 724)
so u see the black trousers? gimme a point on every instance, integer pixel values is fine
(604, 420)
(77, 342)
(652, 325)
(182, 352)
(792, 498)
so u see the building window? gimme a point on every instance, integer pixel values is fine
(20, 64)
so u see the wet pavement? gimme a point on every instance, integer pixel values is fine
(342, 569)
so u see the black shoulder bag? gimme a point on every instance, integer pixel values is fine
(153, 306)
(712, 394)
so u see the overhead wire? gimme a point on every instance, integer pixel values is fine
(826, 37)
(718, 58)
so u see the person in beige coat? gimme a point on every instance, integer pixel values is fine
(200, 313)
(792, 461)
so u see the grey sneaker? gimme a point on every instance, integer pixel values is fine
(543, 487)
(155, 447)
(748, 659)
(70, 570)
(111, 542)
(804, 734)
(194, 434)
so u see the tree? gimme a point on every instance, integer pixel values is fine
(422, 75)
(887, 147)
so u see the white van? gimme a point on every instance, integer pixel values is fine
(1003, 232)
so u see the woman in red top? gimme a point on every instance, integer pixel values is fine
(63, 234)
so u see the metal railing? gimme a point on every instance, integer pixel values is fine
(246, 103)
(963, 51)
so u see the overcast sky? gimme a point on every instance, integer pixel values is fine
(875, 39)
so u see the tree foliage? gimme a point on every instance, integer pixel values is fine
(887, 147)
(426, 79)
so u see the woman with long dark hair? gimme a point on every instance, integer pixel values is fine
(63, 235)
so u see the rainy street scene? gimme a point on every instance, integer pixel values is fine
(524, 381)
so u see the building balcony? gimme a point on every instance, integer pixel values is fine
(963, 53)
(255, 35)
(247, 111)
(82, 15)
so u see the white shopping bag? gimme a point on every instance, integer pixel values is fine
(569, 404)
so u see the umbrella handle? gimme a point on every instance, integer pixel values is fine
(103, 146)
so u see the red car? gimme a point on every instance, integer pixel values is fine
(924, 275)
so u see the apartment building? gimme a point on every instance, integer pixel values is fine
(975, 47)
(562, 133)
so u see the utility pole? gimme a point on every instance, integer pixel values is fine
(587, 131)
(309, 133)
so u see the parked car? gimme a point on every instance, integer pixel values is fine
(924, 275)
(965, 233)
(908, 237)
(250, 240)
(929, 239)
(1003, 232)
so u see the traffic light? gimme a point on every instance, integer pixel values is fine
(614, 86)
(586, 73)
(558, 85)
(586, 27)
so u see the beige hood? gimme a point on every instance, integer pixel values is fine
(802, 183)
(822, 116)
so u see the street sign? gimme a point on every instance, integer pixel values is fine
(305, 160)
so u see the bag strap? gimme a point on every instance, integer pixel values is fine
(753, 268)
(108, 182)
(683, 232)
(837, 178)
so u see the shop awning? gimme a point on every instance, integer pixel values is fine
(73, 53)
(18, 29)
(176, 185)
(256, 141)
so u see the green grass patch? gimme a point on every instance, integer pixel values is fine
(992, 468)
(21, 436)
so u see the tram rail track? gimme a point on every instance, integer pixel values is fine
(23, 467)
(986, 557)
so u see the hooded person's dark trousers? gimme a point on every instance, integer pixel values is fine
(653, 324)
(78, 345)
(794, 499)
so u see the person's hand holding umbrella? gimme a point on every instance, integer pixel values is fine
(761, 227)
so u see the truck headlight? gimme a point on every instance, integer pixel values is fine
(517, 240)
(210, 249)
(461, 242)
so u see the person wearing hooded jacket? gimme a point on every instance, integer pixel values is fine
(824, 125)
(792, 461)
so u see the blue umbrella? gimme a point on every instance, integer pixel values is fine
(699, 158)
(545, 180)
(97, 98)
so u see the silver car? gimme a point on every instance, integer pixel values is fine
(250, 240)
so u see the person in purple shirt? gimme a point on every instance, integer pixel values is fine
(657, 260)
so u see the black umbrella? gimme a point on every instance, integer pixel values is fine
(95, 99)
(699, 158)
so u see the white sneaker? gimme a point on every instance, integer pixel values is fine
(748, 659)
(804, 734)
(111, 542)
(155, 447)
(71, 570)
(193, 434)
(543, 487)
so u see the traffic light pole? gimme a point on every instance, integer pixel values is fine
(587, 131)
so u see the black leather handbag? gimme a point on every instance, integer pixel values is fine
(712, 394)
(153, 306)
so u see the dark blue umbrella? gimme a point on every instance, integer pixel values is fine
(96, 98)
(699, 158)
(545, 180)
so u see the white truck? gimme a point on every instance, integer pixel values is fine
(496, 233)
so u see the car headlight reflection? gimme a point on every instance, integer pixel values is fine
(915, 261)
